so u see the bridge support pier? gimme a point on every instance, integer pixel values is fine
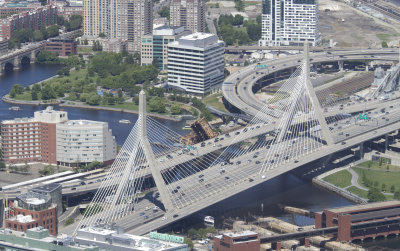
(16, 63)
(340, 64)
(386, 142)
(361, 150)
(305, 242)
(276, 246)
(33, 57)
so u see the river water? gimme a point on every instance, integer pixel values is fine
(263, 200)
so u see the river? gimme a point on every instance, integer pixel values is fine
(263, 200)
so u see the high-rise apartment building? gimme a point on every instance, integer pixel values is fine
(196, 63)
(189, 14)
(289, 22)
(123, 19)
(155, 47)
(101, 16)
(49, 134)
(136, 20)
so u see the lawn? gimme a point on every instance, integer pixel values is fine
(375, 165)
(382, 177)
(387, 37)
(357, 191)
(214, 100)
(25, 96)
(125, 106)
(339, 179)
(85, 49)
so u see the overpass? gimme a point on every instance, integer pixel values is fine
(240, 49)
(238, 89)
(191, 180)
(16, 57)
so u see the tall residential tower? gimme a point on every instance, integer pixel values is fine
(289, 22)
(122, 19)
(189, 14)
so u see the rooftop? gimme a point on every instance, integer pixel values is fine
(237, 234)
(365, 207)
(82, 122)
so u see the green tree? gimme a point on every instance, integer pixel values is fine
(164, 12)
(15, 90)
(188, 242)
(384, 44)
(48, 92)
(43, 2)
(94, 99)
(192, 233)
(102, 35)
(45, 57)
(176, 109)
(2, 166)
(375, 195)
(60, 20)
(238, 20)
(392, 189)
(53, 31)
(396, 195)
(383, 187)
(34, 95)
(157, 104)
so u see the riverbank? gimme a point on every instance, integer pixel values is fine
(320, 182)
(160, 116)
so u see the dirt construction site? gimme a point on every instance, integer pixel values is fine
(348, 26)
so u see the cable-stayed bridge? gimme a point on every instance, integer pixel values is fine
(290, 130)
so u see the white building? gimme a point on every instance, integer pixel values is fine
(84, 141)
(289, 22)
(196, 63)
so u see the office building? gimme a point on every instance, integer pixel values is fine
(31, 210)
(100, 16)
(62, 46)
(189, 14)
(196, 63)
(27, 140)
(289, 22)
(359, 222)
(247, 240)
(136, 20)
(54, 190)
(33, 19)
(38, 238)
(84, 141)
(113, 240)
(156, 46)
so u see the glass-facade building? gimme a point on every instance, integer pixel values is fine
(155, 47)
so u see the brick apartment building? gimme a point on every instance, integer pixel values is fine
(247, 240)
(31, 210)
(32, 19)
(31, 139)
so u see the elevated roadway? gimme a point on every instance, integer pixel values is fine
(238, 87)
(352, 136)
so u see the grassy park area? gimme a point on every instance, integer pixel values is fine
(215, 100)
(339, 179)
